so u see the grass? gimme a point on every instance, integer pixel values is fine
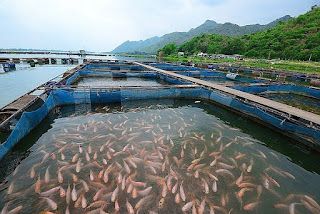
(285, 65)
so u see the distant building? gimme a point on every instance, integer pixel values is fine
(82, 52)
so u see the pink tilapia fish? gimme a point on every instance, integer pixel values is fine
(74, 195)
(47, 175)
(78, 165)
(205, 186)
(129, 207)
(53, 205)
(145, 192)
(38, 185)
(68, 194)
(271, 179)
(62, 192)
(85, 185)
(187, 206)
(249, 169)
(240, 179)
(75, 158)
(87, 156)
(143, 201)
(214, 186)
(251, 206)
(312, 202)
(116, 206)
(182, 194)
(114, 194)
(226, 166)
(84, 202)
(224, 172)
(49, 192)
(60, 178)
(15, 210)
(202, 206)
(164, 190)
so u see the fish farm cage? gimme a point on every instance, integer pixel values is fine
(190, 142)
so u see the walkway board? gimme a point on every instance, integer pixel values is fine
(21, 102)
(260, 100)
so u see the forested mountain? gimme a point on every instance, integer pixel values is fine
(297, 38)
(152, 45)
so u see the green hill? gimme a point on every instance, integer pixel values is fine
(151, 45)
(298, 38)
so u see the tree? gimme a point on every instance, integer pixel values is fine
(169, 49)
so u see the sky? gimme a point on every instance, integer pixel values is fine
(102, 25)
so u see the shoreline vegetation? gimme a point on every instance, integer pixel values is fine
(285, 65)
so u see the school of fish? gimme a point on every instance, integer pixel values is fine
(148, 160)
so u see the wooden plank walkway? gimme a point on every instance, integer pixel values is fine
(314, 118)
(21, 102)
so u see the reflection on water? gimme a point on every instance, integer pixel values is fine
(165, 156)
(130, 81)
(296, 100)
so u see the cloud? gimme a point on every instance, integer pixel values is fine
(101, 25)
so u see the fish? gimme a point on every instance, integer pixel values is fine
(251, 206)
(142, 201)
(53, 205)
(187, 206)
(161, 202)
(164, 190)
(62, 192)
(119, 179)
(271, 179)
(206, 186)
(224, 172)
(87, 156)
(15, 210)
(84, 202)
(75, 157)
(182, 194)
(123, 183)
(68, 194)
(226, 166)
(60, 178)
(177, 198)
(74, 195)
(85, 185)
(38, 185)
(312, 202)
(91, 175)
(114, 194)
(145, 192)
(47, 175)
(239, 180)
(126, 167)
(116, 206)
(214, 186)
(62, 156)
(243, 190)
(50, 192)
(32, 172)
(134, 193)
(129, 207)
(202, 206)
(78, 165)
